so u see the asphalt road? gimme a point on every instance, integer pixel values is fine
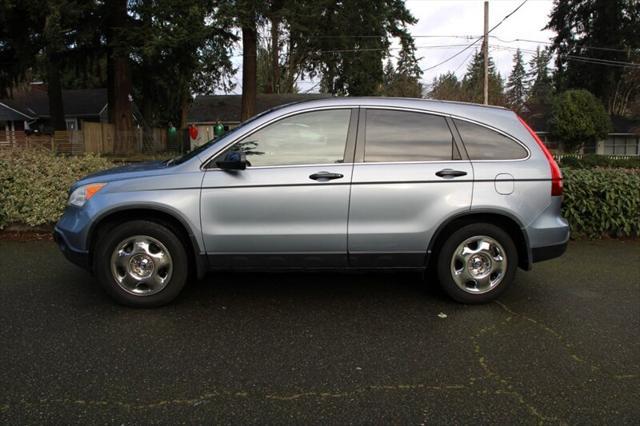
(561, 347)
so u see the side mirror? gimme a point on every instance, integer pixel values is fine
(233, 160)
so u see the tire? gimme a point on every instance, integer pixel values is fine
(141, 264)
(477, 263)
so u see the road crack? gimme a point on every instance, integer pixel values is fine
(567, 346)
(210, 396)
(504, 386)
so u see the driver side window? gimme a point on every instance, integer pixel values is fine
(317, 137)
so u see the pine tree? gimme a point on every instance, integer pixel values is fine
(515, 94)
(473, 82)
(580, 25)
(539, 82)
(404, 80)
(446, 87)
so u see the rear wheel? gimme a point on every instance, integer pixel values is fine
(141, 264)
(477, 263)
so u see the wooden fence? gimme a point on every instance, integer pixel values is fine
(96, 138)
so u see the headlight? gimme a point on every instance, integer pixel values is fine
(84, 193)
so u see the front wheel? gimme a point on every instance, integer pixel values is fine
(477, 263)
(141, 264)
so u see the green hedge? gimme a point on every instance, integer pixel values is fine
(602, 202)
(590, 161)
(34, 185)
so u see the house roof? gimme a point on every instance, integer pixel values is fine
(226, 108)
(11, 112)
(540, 123)
(77, 103)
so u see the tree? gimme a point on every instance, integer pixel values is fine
(119, 84)
(406, 80)
(605, 30)
(515, 94)
(578, 118)
(37, 39)
(249, 13)
(345, 43)
(539, 83)
(473, 81)
(178, 48)
(401, 82)
(446, 87)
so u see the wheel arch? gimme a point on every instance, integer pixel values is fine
(505, 220)
(159, 214)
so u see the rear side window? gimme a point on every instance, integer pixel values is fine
(395, 136)
(485, 144)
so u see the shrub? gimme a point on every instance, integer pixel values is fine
(601, 202)
(578, 117)
(34, 184)
(593, 160)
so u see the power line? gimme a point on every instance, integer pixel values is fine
(476, 40)
(586, 59)
(609, 49)
(508, 15)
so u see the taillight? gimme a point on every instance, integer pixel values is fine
(556, 174)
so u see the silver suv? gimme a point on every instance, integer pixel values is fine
(465, 190)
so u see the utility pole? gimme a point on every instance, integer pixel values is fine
(485, 52)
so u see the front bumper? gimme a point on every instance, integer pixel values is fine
(78, 257)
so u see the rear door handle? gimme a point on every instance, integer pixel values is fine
(325, 176)
(450, 173)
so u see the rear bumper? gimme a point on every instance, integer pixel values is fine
(80, 258)
(538, 254)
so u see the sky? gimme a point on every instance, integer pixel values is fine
(462, 21)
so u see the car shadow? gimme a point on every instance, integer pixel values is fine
(312, 285)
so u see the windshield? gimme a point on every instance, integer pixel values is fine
(189, 155)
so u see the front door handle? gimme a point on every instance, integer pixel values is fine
(325, 176)
(445, 173)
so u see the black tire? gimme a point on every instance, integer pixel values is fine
(445, 261)
(107, 244)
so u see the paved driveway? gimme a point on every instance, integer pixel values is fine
(562, 346)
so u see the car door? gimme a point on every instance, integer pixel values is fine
(409, 176)
(289, 207)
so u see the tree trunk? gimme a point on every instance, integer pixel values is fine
(120, 89)
(249, 53)
(54, 90)
(124, 139)
(275, 54)
(184, 110)
(53, 47)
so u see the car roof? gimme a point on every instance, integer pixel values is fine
(499, 118)
(493, 116)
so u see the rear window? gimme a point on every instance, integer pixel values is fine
(395, 136)
(485, 144)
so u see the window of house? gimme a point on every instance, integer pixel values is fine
(622, 145)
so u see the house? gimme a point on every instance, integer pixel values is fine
(212, 109)
(623, 140)
(206, 111)
(29, 109)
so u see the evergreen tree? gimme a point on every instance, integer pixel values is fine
(515, 94)
(577, 119)
(446, 87)
(600, 29)
(326, 40)
(473, 82)
(539, 82)
(403, 81)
